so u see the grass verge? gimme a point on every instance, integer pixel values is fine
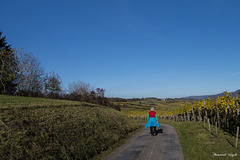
(198, 143)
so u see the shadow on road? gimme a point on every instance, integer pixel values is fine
(158, 131)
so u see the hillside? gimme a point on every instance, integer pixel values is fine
(211, 96)
(142, 107)
(37, 128)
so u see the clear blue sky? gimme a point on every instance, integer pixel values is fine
(132, 48)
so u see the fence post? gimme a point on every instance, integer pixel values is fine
(188, 116)
(206, 116)
(218, 122)
(228, 124)
(207, 119)
(209, 127)
(217, 119)
(205, 110)
(199, 114)
(193, 113)
(237, 127)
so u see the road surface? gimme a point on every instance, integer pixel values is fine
(143, 146)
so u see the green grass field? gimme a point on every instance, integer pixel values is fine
(38, 128)
(198, 143)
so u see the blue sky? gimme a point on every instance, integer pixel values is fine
(132, 48)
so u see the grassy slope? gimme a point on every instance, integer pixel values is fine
(198, 143)
(36, 128)
(23, 102)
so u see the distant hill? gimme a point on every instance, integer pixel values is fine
(211, 96)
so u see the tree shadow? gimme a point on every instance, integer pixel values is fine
(229, 142)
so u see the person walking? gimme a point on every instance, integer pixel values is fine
(152, 122)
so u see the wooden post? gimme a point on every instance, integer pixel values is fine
(209, 127)
(205, 110)
(193, 113)
(228, 124)
(236, 143)
(199, 114)
(218, 119)
(206, 116)
(188, 116)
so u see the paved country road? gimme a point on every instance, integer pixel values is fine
(143, 146)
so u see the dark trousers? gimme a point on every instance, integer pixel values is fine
(153, 130)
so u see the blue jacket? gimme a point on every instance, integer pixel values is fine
(152, 122)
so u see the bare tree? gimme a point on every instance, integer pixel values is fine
(31, 74)
(100, 92)
(53, 85)
(80, 90)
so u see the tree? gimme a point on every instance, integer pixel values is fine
(30, 75)
(53, 85)
(8, 67)
(93, 97)
(3, 43)
(80, 90)
(100, 92)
